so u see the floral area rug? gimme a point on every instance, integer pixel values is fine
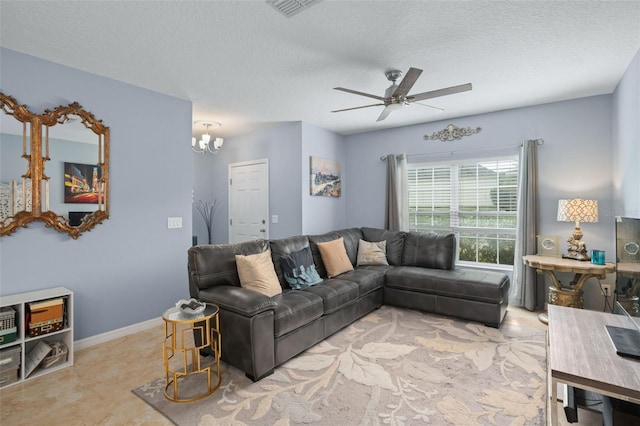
(394, 366)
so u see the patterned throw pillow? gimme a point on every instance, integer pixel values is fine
(372, 253)
(256, 272)
(299, 270)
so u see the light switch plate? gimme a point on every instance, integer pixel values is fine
(174, 222)
(274, 218)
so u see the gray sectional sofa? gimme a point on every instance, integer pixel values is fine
(261, 332)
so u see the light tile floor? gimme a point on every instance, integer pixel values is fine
(96, 390)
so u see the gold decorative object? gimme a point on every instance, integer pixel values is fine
(36, 130)
(452, 132)
(577, 210)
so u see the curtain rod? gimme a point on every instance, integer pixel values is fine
(539, 142)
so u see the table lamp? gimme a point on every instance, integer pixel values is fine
(577, 210)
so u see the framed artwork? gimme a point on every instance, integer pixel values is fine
(325, 177)
(81, 183)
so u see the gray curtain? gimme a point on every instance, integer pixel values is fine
(396, 217)
(523, 288)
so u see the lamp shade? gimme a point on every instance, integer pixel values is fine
(577, 210)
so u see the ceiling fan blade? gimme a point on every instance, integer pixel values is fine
(430, 106)
(440, 92)
(388, 110)
(349, 109)
(355, 92)
(407, 82)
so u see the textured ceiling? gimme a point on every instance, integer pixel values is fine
(244, 64)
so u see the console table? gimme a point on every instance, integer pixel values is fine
(583, 270)
(581, 354)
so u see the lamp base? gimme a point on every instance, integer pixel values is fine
(577, 248)
(576, 256)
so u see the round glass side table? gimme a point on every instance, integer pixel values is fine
(184, 369)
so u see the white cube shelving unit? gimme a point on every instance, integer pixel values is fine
(19, 302)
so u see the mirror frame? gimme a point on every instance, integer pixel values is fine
(36, 160)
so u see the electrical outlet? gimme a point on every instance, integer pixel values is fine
(606, 290)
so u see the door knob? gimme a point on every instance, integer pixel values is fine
(263, 221)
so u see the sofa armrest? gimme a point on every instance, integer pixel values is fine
(237, 299)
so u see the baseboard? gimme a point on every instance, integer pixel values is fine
(115, 334)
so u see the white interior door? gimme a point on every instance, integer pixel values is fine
(248, 201)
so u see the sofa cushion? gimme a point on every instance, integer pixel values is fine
(334, 257)
(293, 309)
(315, 252)
(298, 269)
(257, 273)
(211, 265)
(282, 247)
(394, 239)
(368, 278)
(470, 284)
(429, 250)
(335, 293)
(352, 237)
(372, 253)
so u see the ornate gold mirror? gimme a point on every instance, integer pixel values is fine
(55, 168)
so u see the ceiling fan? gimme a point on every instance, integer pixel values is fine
(396, 95)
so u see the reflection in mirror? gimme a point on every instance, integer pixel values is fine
(628, 264)
(72, 170)
(65, 181)
(15, 149)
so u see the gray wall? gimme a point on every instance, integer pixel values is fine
(575, 161)
(322, 214)
(626, 141)
(130, 268)
(280, 144)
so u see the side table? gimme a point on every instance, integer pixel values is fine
(181, 357)
(583, 270)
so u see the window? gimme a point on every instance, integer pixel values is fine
(475, 199)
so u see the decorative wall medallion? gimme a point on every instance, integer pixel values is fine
(452, 132)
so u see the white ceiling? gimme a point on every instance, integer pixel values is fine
(243, 64)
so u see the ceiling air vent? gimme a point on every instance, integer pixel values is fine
(290, 7)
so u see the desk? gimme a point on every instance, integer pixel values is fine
(178, 340)
(583, 270)
(580, 354)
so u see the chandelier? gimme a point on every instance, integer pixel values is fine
(205, 143)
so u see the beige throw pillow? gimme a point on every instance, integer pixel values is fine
(372, 253)
(257, 273)
(334, 256)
